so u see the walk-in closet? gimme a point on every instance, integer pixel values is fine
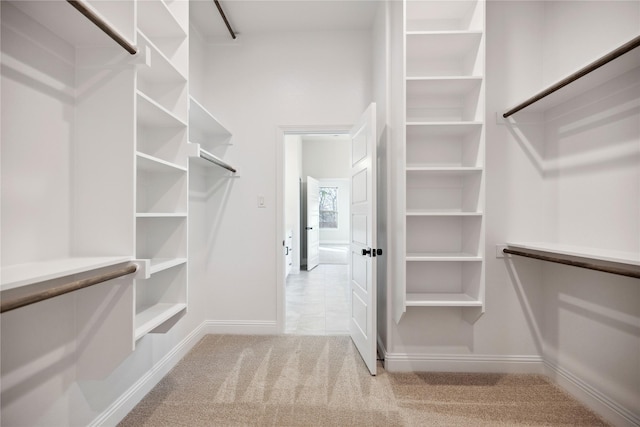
(151, 211)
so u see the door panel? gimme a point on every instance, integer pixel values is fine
(362, 324)
(359, 187)
(359, 271)
(313, 223)
(359, 310)
(359, 229)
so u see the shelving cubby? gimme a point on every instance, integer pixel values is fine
(445, 144)
(444, 15)
(162, 187)
(444, 149)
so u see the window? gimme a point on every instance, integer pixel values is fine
(328, 207)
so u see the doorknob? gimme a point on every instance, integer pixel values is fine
(366, 252)
(308, 228)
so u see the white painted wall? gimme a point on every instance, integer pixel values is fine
(258, 84)
(326, 157)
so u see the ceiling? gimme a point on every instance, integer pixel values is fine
(266, 16)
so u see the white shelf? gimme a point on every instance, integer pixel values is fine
(620, 257)
(156, 20)
(161, 69)
(161, 215)
(161, 264)
(459, 127)
(14, 276)
(447, 169)
(152, 114)
(440, 53)
(439, 85)
(151, 317)
(149, 163)
(441, 213)
(441, 15)
(445, 256)
(201, 120)
(455, 34)
(441, 300)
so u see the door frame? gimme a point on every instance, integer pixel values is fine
(280, 200)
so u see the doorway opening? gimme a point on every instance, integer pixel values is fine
(317, 228)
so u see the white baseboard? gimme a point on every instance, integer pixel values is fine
(607, 408)
(241, 327)
(129, 399)
(402, 362)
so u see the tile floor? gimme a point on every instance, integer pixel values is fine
(317, 301)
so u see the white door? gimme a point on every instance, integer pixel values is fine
(363, 237)
(313, 223)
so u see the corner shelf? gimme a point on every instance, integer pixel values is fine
(444, 256)
(152, 114)
(436, 299)
(204, 128)
(149, 318)
(150, 163)
(160, 264)
(412, 212)
(616, 62)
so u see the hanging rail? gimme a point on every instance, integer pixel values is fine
(224, 18)
(213, 159)
(630, 45)
(21, 301)
(103, 25)
(581, 264)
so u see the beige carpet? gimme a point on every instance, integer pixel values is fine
(311, 381)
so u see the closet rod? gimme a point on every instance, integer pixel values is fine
(224, 18)
(630, 45)
(103, 25)
(213, 159)
(581, 264)
(21, 301)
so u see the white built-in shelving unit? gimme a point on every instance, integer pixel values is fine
(107, 183)
(444, 148)
(161, 162)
